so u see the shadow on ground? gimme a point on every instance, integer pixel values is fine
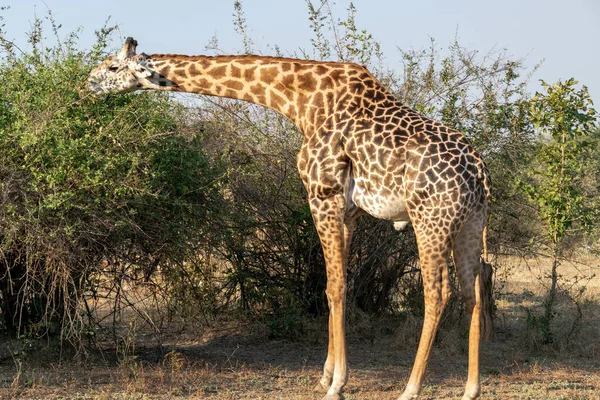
(242, 363)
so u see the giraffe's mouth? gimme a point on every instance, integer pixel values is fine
(94, 88)
(94, 84)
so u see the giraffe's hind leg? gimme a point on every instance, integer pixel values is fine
(434, 249)
(466, 254)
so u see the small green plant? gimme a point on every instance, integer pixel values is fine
(18, 376)
(127, 359)
(287, 325)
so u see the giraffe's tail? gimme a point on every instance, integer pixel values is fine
(486, 292)
(485, 278)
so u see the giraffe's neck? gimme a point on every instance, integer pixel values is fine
(288, 86)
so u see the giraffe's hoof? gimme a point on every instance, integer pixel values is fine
(408, 396)
(472, 392)
(319, 388)
(337, 396)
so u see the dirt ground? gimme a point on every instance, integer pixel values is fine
(239, 361)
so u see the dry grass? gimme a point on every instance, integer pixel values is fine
(237, 361)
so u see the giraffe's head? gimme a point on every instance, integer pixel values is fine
(125, 72)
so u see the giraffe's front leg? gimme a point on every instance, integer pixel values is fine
(335, 238)
(335, 371)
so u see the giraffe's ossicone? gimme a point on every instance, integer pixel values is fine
(363, 152)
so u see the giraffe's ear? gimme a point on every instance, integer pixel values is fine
(140, 70)
(128, 49)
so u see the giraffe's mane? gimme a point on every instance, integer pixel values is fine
(247, 57)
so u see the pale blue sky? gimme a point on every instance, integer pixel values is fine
(563, 33)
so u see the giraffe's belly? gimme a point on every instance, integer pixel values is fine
(389, 205)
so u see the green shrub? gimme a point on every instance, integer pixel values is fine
(92, 191)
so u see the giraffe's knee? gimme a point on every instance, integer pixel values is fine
(436, 300)
(470, 302)
(335, 291)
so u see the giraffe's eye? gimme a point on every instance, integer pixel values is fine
(112, 68)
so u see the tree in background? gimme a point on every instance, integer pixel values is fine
(554, 182)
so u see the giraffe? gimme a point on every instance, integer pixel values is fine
(363, 152)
